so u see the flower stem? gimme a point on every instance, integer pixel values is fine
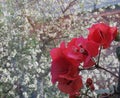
(99, 67)
(99, 56)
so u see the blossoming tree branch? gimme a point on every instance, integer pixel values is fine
(70, 58)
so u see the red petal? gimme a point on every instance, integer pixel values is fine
(72, 74)
(102, 34)
(92, 48)
(70, 87)
(72, 96)
(63, 45)
(56, 53)
(59, 67)
(88, 62)
(72, 42)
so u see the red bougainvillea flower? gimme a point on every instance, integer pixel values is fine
(102, 34)
(63, 72)
(67, 76)
(65, 62)
(59, 63)
(81, 50)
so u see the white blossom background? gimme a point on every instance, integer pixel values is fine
(30, 28)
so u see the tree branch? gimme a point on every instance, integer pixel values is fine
(69, 5)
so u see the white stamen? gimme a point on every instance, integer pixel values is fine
(81, 50)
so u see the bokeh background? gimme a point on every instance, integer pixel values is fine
(29, 29)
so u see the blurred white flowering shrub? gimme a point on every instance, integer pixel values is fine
(28, 30)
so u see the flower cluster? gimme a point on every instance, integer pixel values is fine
(80, 51)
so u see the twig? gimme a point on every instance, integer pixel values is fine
(61, 6)
(99, 67)
(98, 57)
(69, 5)
(107, 13)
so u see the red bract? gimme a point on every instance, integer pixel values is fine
(89, 81)
(59, 67)
(57, 52)
(102, 34)
(60, 64)
(81, 50)
(72, 52)
(67, 76)
(70, 86)
(72, 96)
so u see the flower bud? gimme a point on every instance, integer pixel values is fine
(89, 82)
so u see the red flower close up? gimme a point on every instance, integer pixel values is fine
(102, 34)
(64, 72)
(67, 58)
(81, 50)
